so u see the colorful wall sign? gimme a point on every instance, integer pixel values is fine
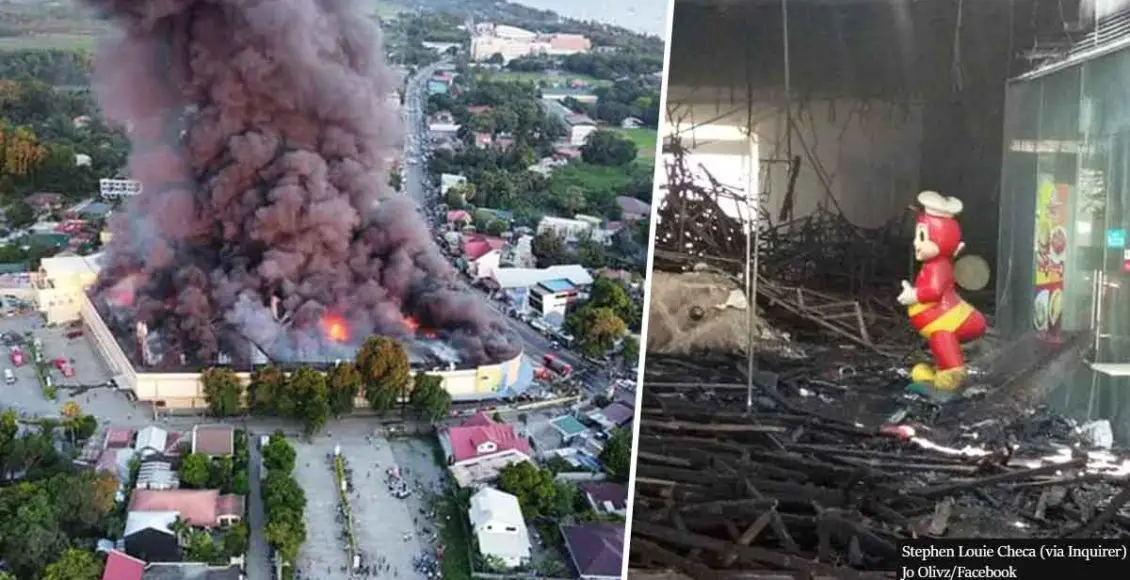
(1116, 238)
(1051, 253)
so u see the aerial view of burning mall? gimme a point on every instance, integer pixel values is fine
(940, 194)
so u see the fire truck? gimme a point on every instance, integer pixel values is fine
(557, 365)
(17, 356)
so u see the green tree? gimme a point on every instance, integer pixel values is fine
(20, 215)
(596, 329)
(608, 148)
(221, 474)
(428, 396)
(385, 370)
(278, 454)
(537, 491)
(609, 293)
(307, 387)
(74, 564)
(395, 180)
(236, 541)
(630, 352)
(496, 227)
(344, 383)
(549, 249)
(264, 389)
(617, 455)
(222, 391)
(200, 547)
(195, 470)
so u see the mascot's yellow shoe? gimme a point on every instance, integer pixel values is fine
(950, 379)
(922, 373)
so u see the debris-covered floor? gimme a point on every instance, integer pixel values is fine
(815, 479)
(829, 464)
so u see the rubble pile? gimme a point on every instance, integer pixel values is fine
(830, 468)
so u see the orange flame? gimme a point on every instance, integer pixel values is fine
(335, 328)
(411, 324)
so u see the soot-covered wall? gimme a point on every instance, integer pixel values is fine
(925, 80)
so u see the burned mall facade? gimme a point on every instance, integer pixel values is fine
(1064, 259)
(179, 387)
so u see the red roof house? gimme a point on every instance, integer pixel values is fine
(202, 508)
(475, 247)
(458, 215)
(121, 566)
(477, 449)
(44, 201)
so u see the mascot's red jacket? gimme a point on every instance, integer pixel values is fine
(933, 305)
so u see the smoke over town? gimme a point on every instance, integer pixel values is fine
(262, 134)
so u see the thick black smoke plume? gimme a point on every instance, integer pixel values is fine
(262, 135)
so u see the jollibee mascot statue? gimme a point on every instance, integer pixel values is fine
(935, 310)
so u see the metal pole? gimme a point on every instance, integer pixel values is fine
(753, 237)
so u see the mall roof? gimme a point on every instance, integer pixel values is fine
(529, 277)
(66, 266)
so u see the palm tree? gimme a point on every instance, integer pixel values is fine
(181, 530)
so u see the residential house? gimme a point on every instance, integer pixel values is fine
(483, 140)
(157, 475)
(606, 497)
(458, 217)
(192, 571)
(517, 283)
(482, 255)
(213, 440)
(596, 549)
(202, 508)
(571, 230)
(498, 525)
(150, 536)
(631, 123)
(478, 448)
(443, 126)
(546, 165)
(121, 566)
(577, 126)
(476, 110)
(448, 181)
(45, 202)
(633, 210)
(95, 211)
(151, 440)
(612, 416)
(520, 253)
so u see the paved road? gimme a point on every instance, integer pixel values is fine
(258, 554)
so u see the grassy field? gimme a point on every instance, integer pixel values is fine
(387, 9)
(645, 140)
(549, 78)
(48, 42)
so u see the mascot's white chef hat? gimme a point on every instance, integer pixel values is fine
(936, 204)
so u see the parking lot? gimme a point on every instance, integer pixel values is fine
(26, 394)
(391, 533)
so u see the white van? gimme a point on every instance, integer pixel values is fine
(9, 377)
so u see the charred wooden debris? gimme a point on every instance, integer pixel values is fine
(813, 481)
